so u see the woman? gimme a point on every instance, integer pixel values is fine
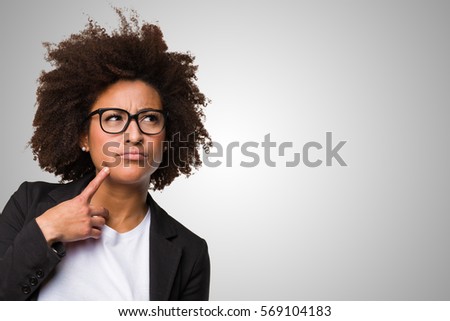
(117, 114)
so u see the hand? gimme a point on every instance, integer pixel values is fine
(75, 219)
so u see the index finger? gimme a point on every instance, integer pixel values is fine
(93, 186)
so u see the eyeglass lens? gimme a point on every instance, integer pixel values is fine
(115, 121)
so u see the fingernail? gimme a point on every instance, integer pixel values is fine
(105, 169)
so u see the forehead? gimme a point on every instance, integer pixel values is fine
(129, 95)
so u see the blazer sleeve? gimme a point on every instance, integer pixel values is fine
(197, 288)
(25, 258)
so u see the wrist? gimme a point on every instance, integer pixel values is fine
(47, 230)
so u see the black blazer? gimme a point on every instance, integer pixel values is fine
(179, 260)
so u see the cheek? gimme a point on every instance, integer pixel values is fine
(101, 147)
(155, 148)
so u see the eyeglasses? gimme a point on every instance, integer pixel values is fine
(116, 120)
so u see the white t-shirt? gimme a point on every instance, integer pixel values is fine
(114, 267)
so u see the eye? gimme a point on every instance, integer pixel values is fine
(113, 117)
(151, 117)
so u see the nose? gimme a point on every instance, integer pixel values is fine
(133, 134)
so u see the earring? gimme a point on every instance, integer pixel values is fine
(83, 149)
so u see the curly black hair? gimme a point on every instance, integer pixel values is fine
(88, 62)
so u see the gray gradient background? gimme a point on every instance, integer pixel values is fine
(376, 74)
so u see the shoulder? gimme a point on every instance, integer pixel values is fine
(30, 194)
(167, 226)
(183, 233)
(39, 190)
(26, 203)
(29, 191)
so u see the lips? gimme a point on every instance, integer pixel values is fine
(133, 154)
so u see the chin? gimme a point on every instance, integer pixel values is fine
(131, 174)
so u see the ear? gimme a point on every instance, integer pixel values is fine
(84, 142)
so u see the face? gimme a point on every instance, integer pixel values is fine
(131, 155)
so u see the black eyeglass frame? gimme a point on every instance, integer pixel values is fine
(100, 112)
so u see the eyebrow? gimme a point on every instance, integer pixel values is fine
(139, 109)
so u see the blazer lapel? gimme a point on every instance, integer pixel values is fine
(164, 256)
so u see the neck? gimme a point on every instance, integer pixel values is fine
(127, 204)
